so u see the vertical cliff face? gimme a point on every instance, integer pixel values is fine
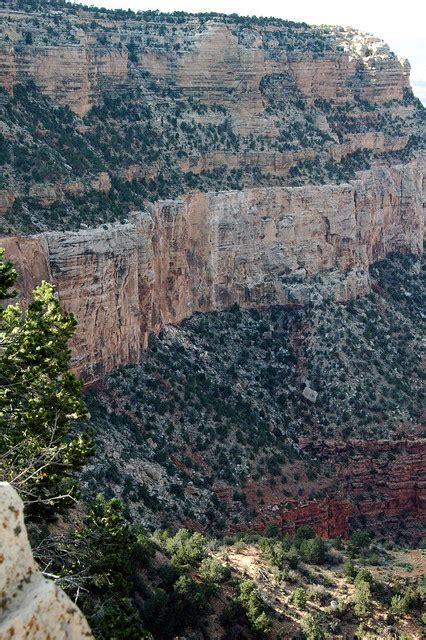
(164, 105)
(207, 251)
(224, 61)
(97, 277)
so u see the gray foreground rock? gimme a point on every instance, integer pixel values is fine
(31, 606)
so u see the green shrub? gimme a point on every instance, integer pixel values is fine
(349, 569)
(292, 557)
(362, 598)
(186, 547)
(363, 575)
(212, 572)
(299, 598)
(359, 540)
(254, 607)
(314, 550)
(190, 601)
(311, 628)
(399, 605)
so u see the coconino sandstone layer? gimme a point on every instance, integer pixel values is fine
(207, 251)
(31, 605)
(211, 58)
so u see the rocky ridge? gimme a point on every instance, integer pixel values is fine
(329, 63)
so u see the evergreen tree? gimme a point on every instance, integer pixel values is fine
(299, 598)
(362, 598)
(254, 607)
(39, 399)
(8, 276)
(105, 554)
(311, 628)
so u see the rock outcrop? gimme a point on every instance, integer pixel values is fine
(31, 606)
(399, 486)
(214, 60)
(171, 104)
(376, 480)
(222, 60)
(207, 251)
(72, 76)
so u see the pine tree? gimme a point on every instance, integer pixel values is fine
(39, 399)
(362, 598)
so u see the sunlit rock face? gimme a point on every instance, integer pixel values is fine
(216, 61)
(294, 97)
(207, 251)
(71, 75)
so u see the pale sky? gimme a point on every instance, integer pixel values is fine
(401, 24)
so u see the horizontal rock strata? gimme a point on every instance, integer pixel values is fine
(207, 251)
(213, 62)
(399, 487)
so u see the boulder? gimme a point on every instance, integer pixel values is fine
(310, 394)
(32, 606)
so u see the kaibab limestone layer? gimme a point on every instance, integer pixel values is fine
(31, 605)
(102, 111)
(207, 251)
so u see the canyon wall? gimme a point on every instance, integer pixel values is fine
(186, 103)
(224, 62)
(71, 75)
(213, 61)
(31, 605)
(280, 163)
(207, 251)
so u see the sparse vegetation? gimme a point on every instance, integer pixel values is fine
(210, 458)
(158, 140)
(235, 414)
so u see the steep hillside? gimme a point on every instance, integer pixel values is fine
(293, 156)
(239, 418)
(167, 584)
(289, 150)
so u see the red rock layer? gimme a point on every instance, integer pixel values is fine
(375, 479)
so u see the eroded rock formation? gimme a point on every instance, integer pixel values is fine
(32, 606)
(73, 76)
(214, 60)
(375, 480)
(207, 251)
(163, 105)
